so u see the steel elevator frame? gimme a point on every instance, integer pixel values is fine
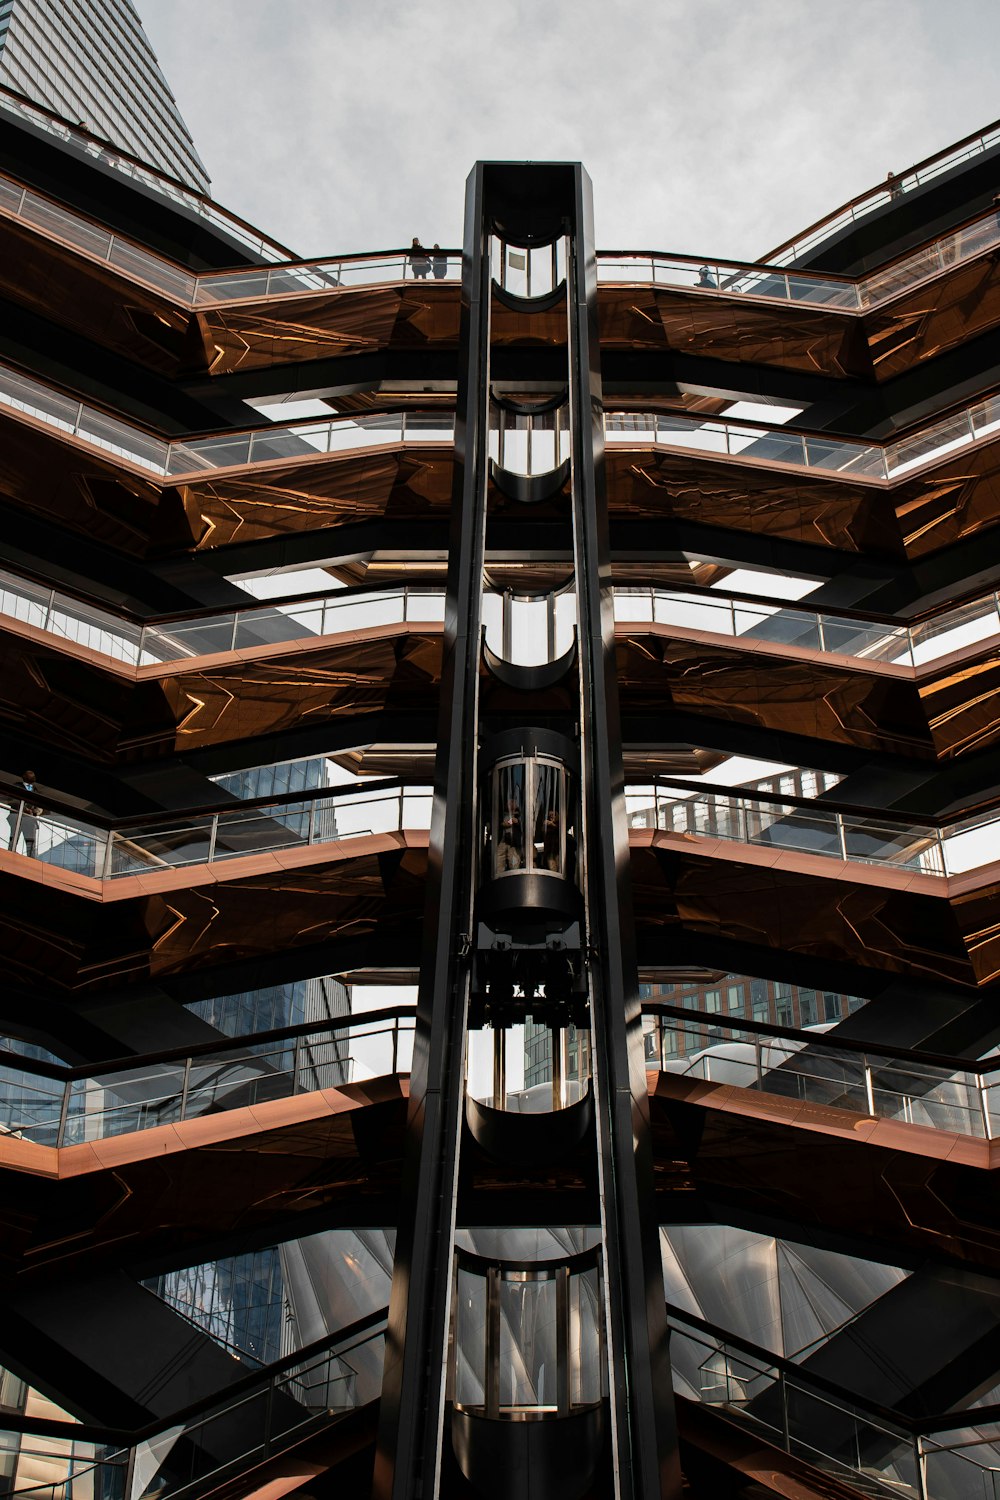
(538, 202)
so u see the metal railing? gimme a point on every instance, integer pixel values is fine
(814, 289)
(54, 1105)
(746, 616)
(258, 1417)
(950, 1094)
(108, 154)
(874, 1450)
(859, 462)
(886, 193)
(189, 289)
(748, 441)
(289, 278)
(42, 830)
(301, 440)
(802, 826)
(181, 637)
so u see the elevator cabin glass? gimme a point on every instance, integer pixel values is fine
(528, 1339)
(528, 822)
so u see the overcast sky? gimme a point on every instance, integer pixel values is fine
(711, 128)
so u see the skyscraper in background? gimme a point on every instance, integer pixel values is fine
(90, 61)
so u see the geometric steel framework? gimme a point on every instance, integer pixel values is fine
(507, 1004)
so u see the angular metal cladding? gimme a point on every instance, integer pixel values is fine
(809, 906)
(649, 484)
(810, 698)
(362, 894)
(296, 499)
(792, 338)
(334, 325)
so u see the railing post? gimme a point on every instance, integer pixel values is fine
(64, 1113)
(47, 625)
(821, 634)
(16, 830)
(185, 1088)
(395, 1046)
(842, 834)
(869, 1088)
(784, 1411)
(108, 847)
(236, 626)
(213, 838)
(758, 1059)
(311, 825)
(921, 1466)
(984, 1107)
(296, 1064)
(79, 418)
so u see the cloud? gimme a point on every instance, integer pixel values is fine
(715, 128)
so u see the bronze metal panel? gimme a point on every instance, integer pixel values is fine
(286, 500)
(662, 675)
(78, 487)
(105, 714)
(962, 707)
(57, 938)
(936, 316)
(255, 336)
(779, 334)
(954, 500)
(778, 906)
(56, 283)
(650, 484)
(263, 1173)
(835, 1179)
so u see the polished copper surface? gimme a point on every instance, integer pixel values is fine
(732, 328)
(779, 899)
(390, 484)
(923, 1189)
(61, 931)
(75, 485)
(66, 480)
(660, 673)
(939, 315)
(645, 483)
(181, 1185)
(106, 710)
(253, 336)
(53, 281)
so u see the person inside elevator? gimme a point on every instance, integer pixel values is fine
(510, 845)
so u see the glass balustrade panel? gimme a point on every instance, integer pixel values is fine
(820, 1429)
(470, 1339)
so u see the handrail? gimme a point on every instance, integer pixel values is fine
(89, 1432)
(978, 143)
(206, 809)
(948, 1421)
(76, 1072)
(153, 641)
(880, 465)
(814, 827)
(212, 1078)
(307, 277)
(105, 851)
(808, 1037)
(113, 155)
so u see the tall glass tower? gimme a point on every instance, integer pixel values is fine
(92, 63)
